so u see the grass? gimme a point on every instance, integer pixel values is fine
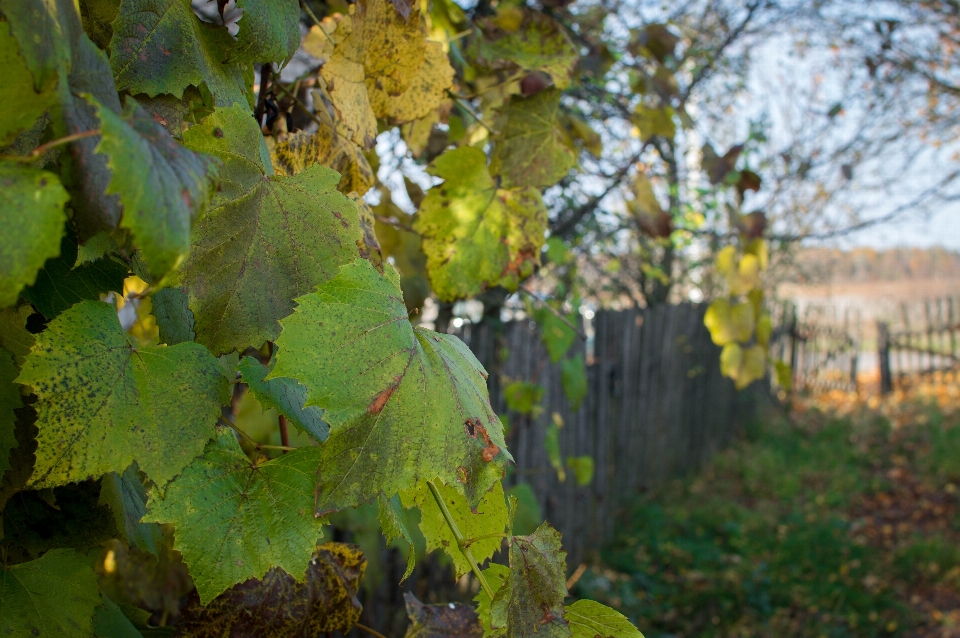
(817, 526)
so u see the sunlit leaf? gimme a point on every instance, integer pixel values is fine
(236, 518)
(476, 235)
(101, 403)
(729, 323)
(404, 404)
(423, 95)
(327, 148)
(31, 210)
(394, 526)
(265, 240)
(589, 619)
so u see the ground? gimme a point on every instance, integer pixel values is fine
(835, 516)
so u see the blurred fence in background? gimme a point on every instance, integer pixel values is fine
(922, 345)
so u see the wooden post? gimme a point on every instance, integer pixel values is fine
(883, 352)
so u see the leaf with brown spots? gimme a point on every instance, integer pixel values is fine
(475, 235)
(326, 147)
(102, 403)
(531, 598)
(377, 50)
(450, 620)
(266, 239)
(236, 519)
(279, 605)
(423, 96)
(395, 396)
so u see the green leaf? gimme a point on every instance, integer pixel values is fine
(9, 401)
(488, 517)
(59, 285)
(557, 336)
(449, 620)
(22, 103)
(532, 596)
(573, 376)
(109, 622)
(85, 173)
(279, 606)
(22, 456)
(266, 240)
(524, 397)
(538, 44)
(475, 235)
(98, 16)
(529, 150)
(589, 619)
(126, 496)
(101, 403)
(394, 526)
(160, 46)
(45, 31)
(174, 319)
(269, 31)
(493, 623)
(163, 186)
(404, 404)
(235, 518)
(286, 396)
(551, 443)
(582, 467)
(14, 335)
(53, 596)
(31, 201)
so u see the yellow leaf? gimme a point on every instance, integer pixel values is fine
(764, 329)
(424, 94)
(509, 18)
(727, 261)
(301, 150)
(758, 248)
(730, 359)
(752, 367)
(729, 323)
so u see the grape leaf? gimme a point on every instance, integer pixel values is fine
(537, 44)
(126, 496)
(424, 94)
(98, 17)
(22, 103)
(101, 403)
(529, 151)
(493, 625)
(54, 595)
(109, 622)
(14, 335)
(377, 50)
(160, 46)
(556, 335)
(589, 619)
(85, 173)
(404, 404)
(278, 606)
(174, 319)
(59, 284)
(476, 235)
(654, 122)
(394, 526)
(532, 596)
(266, 239)
(488, 517)
(9, 401)
(583, 468)
(729, 323)
(573, 376)
(302, 150)
(236, 519)
(45, 31)
(450, 620)
(32, 202)
(269, 31)
(163, 186)
(286, 396)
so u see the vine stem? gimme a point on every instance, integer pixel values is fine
(43, 148)
(461, 541)
(470, 111)
(470, 541)
(369, 630)
(316, 21)
(284, 435)
(259, 446)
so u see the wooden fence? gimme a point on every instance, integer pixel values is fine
(923, 345)
(656, 407)
(822, 352)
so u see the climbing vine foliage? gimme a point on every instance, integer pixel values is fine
(176, 245)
